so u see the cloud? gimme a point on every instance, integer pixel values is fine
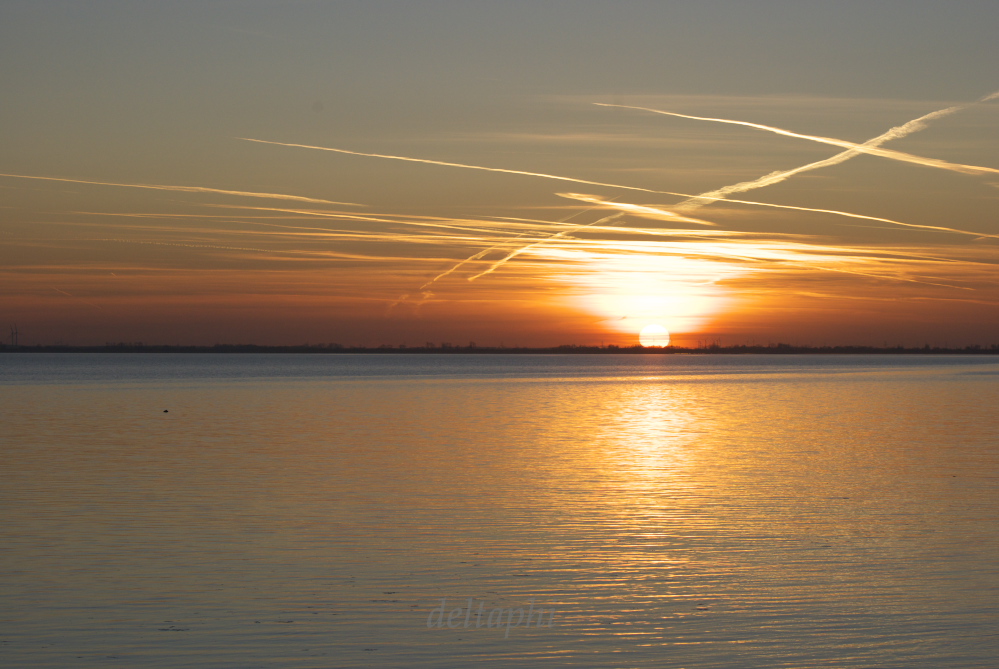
(446, 164)
(189, 189)
(645, 211)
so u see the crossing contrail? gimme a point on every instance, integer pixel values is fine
(867, 148)
(644, 211)
(486, 251)
(897, 132)
(513, 254)
(458, 265)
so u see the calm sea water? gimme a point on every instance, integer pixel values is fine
(672, 511)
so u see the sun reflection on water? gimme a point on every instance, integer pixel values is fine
(650, 429)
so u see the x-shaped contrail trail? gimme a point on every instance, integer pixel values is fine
(897, 132)
(871, 146)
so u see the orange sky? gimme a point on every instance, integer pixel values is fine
(389, 201)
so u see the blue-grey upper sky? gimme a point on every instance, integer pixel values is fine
(78, 73)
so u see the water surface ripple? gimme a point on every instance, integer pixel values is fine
(309, 511)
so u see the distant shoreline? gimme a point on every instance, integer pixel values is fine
(566, 349)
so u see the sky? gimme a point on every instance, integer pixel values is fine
(504, 172)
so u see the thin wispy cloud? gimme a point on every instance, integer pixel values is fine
(933, 228)
(189, 189)
(541, 175)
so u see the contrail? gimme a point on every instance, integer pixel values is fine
(424, 222)
(638, 209)
(423, 289)
(484, 252)
(446, 272)
(502, 261)
(776, 177)
(937, 228)
(188, 189)
(834, 212)
(445, 164)
(76, 297)
(271, 252)
(862, 148)
(852, 149)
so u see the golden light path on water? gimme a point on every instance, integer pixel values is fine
(716, 511)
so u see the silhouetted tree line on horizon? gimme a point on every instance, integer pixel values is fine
(472, 347)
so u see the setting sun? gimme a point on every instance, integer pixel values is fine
(654, 335)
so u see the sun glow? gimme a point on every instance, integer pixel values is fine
(654, 335)
(629, 291)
